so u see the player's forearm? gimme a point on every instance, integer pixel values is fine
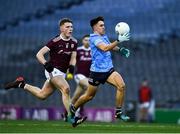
(111, 46)
(73, 62)
(116, 48)
(73, 58)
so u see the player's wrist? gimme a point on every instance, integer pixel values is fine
(71, 69)
(44, 63)
(121, 49)
(48, 67)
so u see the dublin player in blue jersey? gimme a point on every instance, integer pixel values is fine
(102, 70)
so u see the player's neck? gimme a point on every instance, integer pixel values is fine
(62, 36)
(86, 46)
(95, 32)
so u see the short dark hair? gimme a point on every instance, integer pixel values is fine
(64, 20)
(86, 35)
(96, 20)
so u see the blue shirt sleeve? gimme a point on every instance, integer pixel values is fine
(97, 40)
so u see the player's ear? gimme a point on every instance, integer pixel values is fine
(61, 28)
(94, 27)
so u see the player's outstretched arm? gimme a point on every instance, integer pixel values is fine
(121, 38)
(109, 47)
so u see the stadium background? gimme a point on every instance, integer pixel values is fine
(26, 25)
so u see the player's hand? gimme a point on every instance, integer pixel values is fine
(124, 37)
(124, 52)
(69, 76)
(48, 67)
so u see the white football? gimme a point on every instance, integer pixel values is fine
(122, 28)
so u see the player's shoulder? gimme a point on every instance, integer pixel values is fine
(73, 39)
(80, 48)
(56, 38)
(83, 49)
(93, 35)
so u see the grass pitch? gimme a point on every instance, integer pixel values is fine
(28, 126)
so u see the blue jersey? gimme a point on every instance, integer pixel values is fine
(101, 60)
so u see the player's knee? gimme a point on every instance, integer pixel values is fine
(122, 87)
(85, 87)
(66, 90)
(42, 96)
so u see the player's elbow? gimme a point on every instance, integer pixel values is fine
(37, 55)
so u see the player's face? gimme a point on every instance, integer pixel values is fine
(100, 28)
(67, 29)
(85, 42)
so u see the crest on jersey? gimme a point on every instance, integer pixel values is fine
(72, 45)
(67, 44)
(86, 53)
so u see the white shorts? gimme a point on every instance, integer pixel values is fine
(144, 105)
(55, 72)
(79, 77)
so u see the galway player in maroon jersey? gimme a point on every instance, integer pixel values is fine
(82, 70)
(82, 73)
(62, 51)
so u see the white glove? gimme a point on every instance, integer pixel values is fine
(124, 37)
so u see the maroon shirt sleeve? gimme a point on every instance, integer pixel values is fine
(50, 44)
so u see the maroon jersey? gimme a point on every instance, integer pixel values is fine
(60, 52)
(83, 61)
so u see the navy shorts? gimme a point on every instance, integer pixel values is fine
(96, 78)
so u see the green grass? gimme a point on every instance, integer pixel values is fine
(27, 126)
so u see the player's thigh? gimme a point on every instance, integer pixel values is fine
(116, 80)
(84, 83)
(60, 83)
(47, 89)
